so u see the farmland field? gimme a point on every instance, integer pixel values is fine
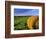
(20, 23)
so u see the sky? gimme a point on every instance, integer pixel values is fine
(26, 12)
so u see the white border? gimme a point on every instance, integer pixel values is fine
(25, 31)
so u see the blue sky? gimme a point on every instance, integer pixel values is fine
(26, 12)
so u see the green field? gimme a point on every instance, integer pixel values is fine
(20, 23)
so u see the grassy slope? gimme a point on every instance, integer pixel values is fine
(20, 23)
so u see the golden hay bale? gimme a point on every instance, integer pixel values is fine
(31, 20)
